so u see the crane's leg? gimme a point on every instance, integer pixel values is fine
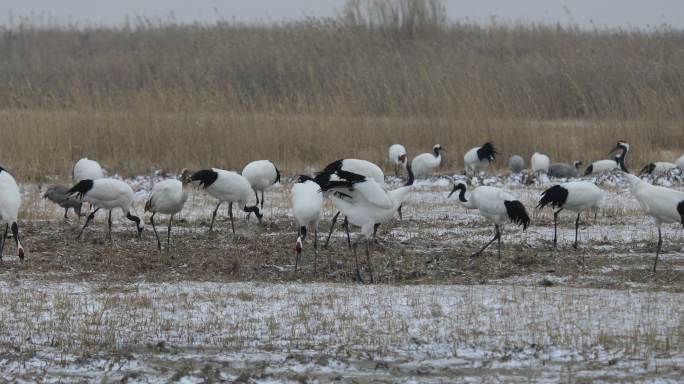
(213, 216)
(316, 249)
(2, 241)
(15, 233)
(498, 234)
(346, 228)
(396, 170)
(256, 195)
(154, 228)
(555, 228)
(168, 233)
(230, 214)
(66, 210)
(660, 243)
(356, 265)
(109, 224)
(496, 237)
(332, 226)
(299, 234)
(88, 220)
(262, 199)
(576, 230)
(368, 260)
(399, 210)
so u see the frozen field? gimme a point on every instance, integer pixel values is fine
(217, 307)
(200, 332)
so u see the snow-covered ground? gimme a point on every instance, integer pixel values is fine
(321, 332)
(70, 324)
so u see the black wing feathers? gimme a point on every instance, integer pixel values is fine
(556, 196)
(517, 213)
(81, 188)
(206, 177)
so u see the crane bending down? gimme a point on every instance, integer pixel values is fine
(365, 203)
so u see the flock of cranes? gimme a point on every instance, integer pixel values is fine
(358, 191)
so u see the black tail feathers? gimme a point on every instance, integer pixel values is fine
(487, 152)
(556, 196)
(517, 213)
(81, 188)
(680, 209)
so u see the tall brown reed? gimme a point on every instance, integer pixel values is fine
(167, 96)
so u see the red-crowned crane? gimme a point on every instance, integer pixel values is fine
(167, 197)
(495, 205)
(361, 167)
(658, 168)
(397, 157)
(575, 196)
(307, 203)
(108, 194)
(424, 164)
(261, 174)
(225, 186)
(664, 205)
(477, 159)
(10, 201)
(365, 203)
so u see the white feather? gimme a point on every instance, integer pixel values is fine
(86, 169)
(680, 162)
(540, 163)
(424, 164)
(472, 163)
(168, 197)
(110, 194)
(307, 202)
(364, 168)
(230, 186)
(396, 151)
(10, 198)
(658, 202)
(582, 196)
(261, 174)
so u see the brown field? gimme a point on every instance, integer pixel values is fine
(155, 95)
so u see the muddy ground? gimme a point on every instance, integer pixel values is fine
(266, 253)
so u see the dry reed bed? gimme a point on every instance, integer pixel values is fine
(159, 95)
(41, 143)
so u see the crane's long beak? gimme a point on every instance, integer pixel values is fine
(452, 191)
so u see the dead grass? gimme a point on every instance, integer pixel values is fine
(166, 96)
